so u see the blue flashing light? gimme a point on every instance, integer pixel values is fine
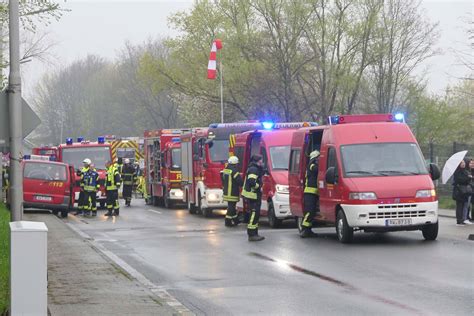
(214, 125)
(52, 158)
(69, 141)
(400, 117)
(333, 120)
(80, 139)
(27, 157)
(101, 139)
(268, 125)
(175, 140)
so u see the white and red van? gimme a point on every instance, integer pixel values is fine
(47, 185)
(372, 176)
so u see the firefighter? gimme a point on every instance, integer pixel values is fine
(81, 203)
(252, 192)
(91, 186)
(231, 183)
(128, 173)
(311, 195)
(119, 165)
(112, 183)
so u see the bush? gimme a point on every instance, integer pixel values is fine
(4, 258)
(446, 202)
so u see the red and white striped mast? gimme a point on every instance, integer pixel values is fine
(212, 70)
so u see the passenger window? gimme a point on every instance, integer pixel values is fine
(332, 159)
(239, 152)
(295, 161)
(265, 159)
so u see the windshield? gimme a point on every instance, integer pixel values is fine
(219, 150)
(126, 153)
(384, 159)
(176, 158)
(98, 155)
(45, 171)
(280, 156)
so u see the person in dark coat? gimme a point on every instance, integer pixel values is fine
(128, 174)
(471, 168)
(231, 184)
(252, 192)
(461, 181)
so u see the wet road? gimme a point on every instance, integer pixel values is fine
(214, 270)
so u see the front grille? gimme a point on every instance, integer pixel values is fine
(397, 206)
(397, 214)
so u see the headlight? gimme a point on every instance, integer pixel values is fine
(178, 193)
(362, 196)
(280, 188)
(212, 197)
(425, 193)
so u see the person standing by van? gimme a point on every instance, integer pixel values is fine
(311, 195)
(112, 183)
(91, 186)
(82, 203)
(461, 191)
(231, 183)
(128, 173)
(252, 192)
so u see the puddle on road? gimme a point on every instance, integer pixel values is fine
(339, 283)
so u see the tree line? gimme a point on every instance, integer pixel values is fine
(281, 60)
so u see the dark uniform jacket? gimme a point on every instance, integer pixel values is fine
(231, 182)
(128, 173)
(461, 180)
(311, 184)
(253, 182)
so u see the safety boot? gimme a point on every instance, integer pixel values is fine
(109, 213)
(228, 222)
(116, 213)
(256, 238)
(307, 233)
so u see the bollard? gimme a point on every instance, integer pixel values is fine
(28, 268)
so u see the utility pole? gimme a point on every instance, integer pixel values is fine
(14, 100)
(221, 75)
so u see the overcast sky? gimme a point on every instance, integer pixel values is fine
(102, 26)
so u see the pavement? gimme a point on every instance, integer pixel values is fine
(188, 264)
(82, 281)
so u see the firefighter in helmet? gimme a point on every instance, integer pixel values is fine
(82, 203)
(128, 174)
(91, 185)
(311, 195)
(231, 183)
(112, 183)
(252, 192)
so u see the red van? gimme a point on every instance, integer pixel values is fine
(372, 176)
(47, 185)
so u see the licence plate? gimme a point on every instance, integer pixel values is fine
(398, 222)
(43, 198)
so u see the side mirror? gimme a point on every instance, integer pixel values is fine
(434, 171)
(331, 175)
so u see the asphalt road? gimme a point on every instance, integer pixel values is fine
(214, 270)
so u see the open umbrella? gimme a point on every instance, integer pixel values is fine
(451, 164)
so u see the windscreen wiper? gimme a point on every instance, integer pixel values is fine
(399, 172)
(359, 171)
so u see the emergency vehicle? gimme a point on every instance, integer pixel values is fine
(47, 184)
(204, 153)
(163, 167)
(372, 176)
(50, 151)
(273, 144)
(74, 153)
(126, 148)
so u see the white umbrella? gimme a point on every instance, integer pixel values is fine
(451, 165)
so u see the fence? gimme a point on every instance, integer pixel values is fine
(438, 154)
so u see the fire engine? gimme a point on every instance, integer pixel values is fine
(126, 148)
(204, 154)
(163, 167)
(50, 151)
(273, 144)
(372, 176)
(73, 153)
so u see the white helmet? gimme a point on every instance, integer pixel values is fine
(233, 160)
(87, 161)
(314, 154)
(126, 160)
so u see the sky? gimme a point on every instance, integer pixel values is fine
(101, 27)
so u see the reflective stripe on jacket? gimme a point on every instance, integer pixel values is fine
(311, 183)
(112, 181)
(253, 183)
(231, 183)
(91, 181)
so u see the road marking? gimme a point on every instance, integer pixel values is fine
(159, 291)
(154, 211)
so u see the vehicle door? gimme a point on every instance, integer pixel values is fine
(330, 194)
(296, 172)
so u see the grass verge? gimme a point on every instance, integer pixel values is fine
(4, 258)
(446, 202)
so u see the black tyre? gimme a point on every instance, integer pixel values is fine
(430, 232)
(273, 221)
(64, 214)
(199, 206)
(207, 212)
(55, 212)
(345, 233)
(191, 206)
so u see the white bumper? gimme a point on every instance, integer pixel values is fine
(281, 203)
(383, 215)
(176, 194)
(213, 198)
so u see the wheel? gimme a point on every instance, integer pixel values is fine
(273, 221)
(191, 206)
(430, 232)
(55, 212)
(207, 212)
(64, 214)
(299, 223)
(199, 207)
(345, 233)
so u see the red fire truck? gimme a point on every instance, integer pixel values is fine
(273, 144)
(163, 167)
(204, 154)
(372, 176)
(50, 151)
(73, 153)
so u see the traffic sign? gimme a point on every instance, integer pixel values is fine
(30, 119)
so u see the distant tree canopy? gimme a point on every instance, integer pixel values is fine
(284, 60)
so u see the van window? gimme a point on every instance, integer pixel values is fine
(264, 157)
(295, 161)
(332, 159)
(45, 171)
(239, 152)
(280, 156)
(382, 159)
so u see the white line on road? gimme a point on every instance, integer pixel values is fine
(154, 211)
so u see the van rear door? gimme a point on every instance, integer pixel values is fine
(296, 171)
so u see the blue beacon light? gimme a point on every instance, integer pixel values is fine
(400, 117)
(69, 141)
(101, 140)
(268, 125)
